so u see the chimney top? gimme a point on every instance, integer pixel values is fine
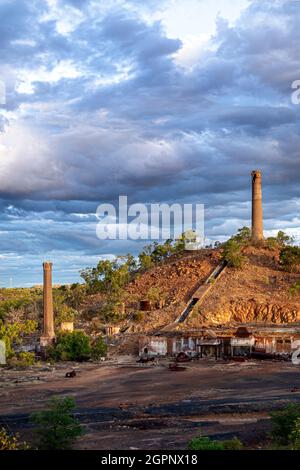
(47, 264)
(256, 173)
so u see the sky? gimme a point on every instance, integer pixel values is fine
(162, 101)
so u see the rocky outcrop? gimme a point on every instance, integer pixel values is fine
(259, 292)
(252, 311)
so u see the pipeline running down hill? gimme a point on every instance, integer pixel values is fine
(198, 296)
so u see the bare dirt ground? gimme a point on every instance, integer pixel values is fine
(125, 405)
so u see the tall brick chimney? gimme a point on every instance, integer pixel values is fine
(257, 210)
(48, 332)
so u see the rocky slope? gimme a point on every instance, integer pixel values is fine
(259, 292)
(174, 281)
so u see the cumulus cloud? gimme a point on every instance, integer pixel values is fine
(99, 104)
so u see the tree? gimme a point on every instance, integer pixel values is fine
(110, 309)
(109, 276)
(156, 253)
(243, 235)
(91, 279)
(76, 295)
(284, 239)
(57, 429)
(131, 262)
(281, 240)
(160, 252)
(232, 254)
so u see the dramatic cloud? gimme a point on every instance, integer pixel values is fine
(101, 102)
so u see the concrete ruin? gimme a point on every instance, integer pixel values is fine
(48, 330)
(243, 341)
(2, 353)
(112, 330)
(257, 210)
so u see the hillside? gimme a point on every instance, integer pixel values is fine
(259, 292)
(256, 293)
(174, 280)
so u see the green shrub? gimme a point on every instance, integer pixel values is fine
(17, 301)
(295, 435)
(23, 359)
(204, 443)
(71, 346)
(232, 254)
(13, 333)
(154, 294)
(57, 429)
(99, 348)
(232, 444)
(138, 316)
(283, 424)
(271, 243)
(281, 240)
(290, 257)
(10, 441)
(66, 314)
(145, 261)
(294, 289)
(110, 310)
(27, 358)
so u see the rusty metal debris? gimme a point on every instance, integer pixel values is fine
(145, 359)
(71, 374)
(183, 357)
(174, 366)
